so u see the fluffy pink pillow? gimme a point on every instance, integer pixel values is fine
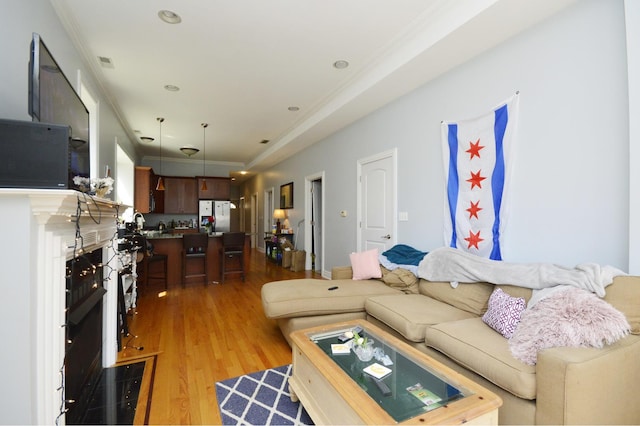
(504, 312)
(569, 317)
(365, 265)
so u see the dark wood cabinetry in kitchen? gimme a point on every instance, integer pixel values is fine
(180, 195)
(145, 197)
(218, 188)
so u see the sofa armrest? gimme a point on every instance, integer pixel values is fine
(588, 385)
(341, 273)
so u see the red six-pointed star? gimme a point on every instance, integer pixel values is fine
(474, 209)
(476, 179)
(474, 149)
(473, 240)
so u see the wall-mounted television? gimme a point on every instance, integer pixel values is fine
(52, 99)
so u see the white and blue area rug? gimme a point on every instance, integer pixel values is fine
(260, 398)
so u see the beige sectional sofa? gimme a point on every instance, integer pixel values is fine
(568, 385)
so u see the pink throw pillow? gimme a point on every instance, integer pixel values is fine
(365, 265)
(504, 312)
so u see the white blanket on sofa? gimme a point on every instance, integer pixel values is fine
(449, 264)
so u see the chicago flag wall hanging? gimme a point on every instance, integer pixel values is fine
(477, 161)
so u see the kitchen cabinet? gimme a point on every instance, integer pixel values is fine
(145, 197)
(218, 188)
(180, 195)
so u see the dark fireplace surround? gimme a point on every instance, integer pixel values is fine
(83, 348)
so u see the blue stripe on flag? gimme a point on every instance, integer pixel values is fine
(498, 177)
(453, 184)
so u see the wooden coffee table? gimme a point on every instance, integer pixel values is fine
(334, 389)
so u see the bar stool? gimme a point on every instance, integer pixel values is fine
(149, 258)
(194, 247)
(232, 248)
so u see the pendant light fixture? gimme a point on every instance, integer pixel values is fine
(160, 185)
(204, 155)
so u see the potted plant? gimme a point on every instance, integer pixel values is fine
(362, 346)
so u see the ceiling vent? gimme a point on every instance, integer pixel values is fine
(105, 62)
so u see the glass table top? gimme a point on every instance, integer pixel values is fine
(409, 387)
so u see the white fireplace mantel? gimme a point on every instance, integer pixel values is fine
(39, 233)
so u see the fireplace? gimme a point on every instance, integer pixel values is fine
(48, 229)
(83, 360)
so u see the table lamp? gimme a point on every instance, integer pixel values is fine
(278, 214)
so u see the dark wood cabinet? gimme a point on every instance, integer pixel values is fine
(180, 195)
(218, 188)
(145, 197)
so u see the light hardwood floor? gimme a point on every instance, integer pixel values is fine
(202, 335)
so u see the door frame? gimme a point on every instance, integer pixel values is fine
(308, 182)
(254, 219)
(393, 154)
(268, 207)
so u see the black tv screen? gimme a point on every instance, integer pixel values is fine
(52, 99)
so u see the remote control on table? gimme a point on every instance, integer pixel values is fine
(383, 387)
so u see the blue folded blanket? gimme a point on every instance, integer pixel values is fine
(402, 254)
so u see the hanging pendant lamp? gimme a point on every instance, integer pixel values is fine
(160, 185)
(204, 156)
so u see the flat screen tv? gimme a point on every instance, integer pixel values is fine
(52, 99)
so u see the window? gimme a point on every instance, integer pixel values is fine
(125, 172)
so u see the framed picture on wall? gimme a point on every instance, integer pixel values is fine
(286, 196)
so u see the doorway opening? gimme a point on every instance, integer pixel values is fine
(314, 220)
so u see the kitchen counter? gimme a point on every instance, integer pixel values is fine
(178, 233)
(170, 243)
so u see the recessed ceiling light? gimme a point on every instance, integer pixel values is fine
(146, 139)
(169, 17)
(294, 108)
(171, 88)
(340, 64)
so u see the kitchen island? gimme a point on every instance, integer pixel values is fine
(170, 243)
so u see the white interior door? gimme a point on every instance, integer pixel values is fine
(377, 202)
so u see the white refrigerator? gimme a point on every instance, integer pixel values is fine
(216, 213)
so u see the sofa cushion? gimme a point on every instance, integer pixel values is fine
(515, 291)
(365, 265)
(474, 345)
(624, 294)
(305, 297)
(471, 297)
(411, 314)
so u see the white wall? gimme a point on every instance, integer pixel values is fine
(570, 200)
(632, 20)
(190, 167)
